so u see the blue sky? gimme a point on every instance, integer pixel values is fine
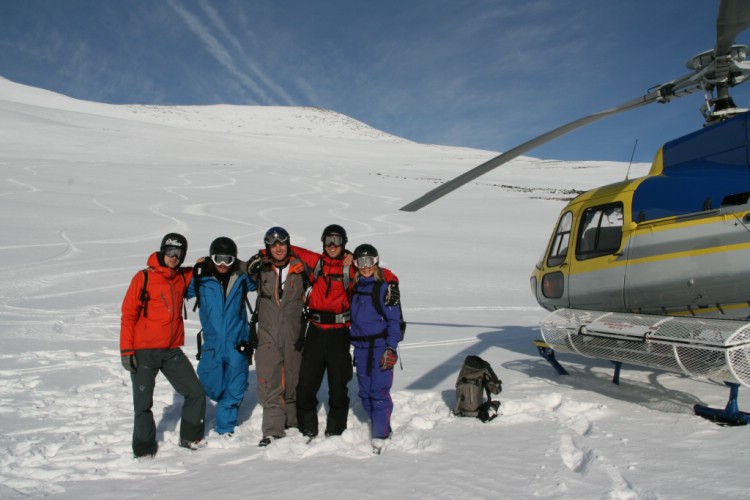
(477, 73)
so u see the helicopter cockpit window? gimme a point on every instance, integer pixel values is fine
(561, 241)
(601, 231)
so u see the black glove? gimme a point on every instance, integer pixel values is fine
(299, 344)
(254, 263)
(392, 295)
(246, 348)
(129, 363)
(203, 267)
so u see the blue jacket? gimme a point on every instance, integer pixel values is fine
(366, 321)
(223, 319)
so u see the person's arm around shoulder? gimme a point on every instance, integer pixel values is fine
(393, 293)
(245, 274)
(307, 256)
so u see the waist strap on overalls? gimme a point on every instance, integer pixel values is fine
(329, 318)
(371, 346)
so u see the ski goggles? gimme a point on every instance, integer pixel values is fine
(272, 238)
(333, 239)
(226, 260)
(173, 252)
(366, 261)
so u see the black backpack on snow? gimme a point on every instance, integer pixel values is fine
(474, 380)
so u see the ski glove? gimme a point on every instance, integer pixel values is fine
(203, 267)
(299, 344)
(129, 363)
(393, 295)
(254, 263)
(388, 361)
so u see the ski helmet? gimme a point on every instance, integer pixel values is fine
(173, 240)
(334, 230)
(223, 246)
(363, 252)
(274, 235)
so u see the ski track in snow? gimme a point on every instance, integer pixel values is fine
(82, 431)
(79, 428)
(78, 424)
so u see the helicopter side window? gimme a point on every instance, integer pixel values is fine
(601, 231)
(560, 243)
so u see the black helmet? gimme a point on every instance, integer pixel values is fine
(363, 251)
(334, 229)
(276, 234)
(223, 246)
(173, 240)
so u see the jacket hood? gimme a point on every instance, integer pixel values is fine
(155, 264)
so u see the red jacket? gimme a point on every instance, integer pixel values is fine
(161, 327)
(328, 294)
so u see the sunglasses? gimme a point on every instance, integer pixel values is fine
(276, 238)
(333, 239)
(173, 252)
(219, 260)
(366, 261)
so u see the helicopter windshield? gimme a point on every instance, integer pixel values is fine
(601, 231)
(560, 243)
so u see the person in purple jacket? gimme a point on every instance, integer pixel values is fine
(375, 334)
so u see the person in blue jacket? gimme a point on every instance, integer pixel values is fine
(220, 286)
(375, 333)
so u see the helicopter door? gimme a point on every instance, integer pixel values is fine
(597, 273)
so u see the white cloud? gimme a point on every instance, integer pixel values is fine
(219, 52)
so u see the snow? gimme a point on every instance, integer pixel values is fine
(89, 189)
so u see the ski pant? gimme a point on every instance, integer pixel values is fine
(375, 389)
(277, 368)
(325, 351)
(178, 370)
(224, 378)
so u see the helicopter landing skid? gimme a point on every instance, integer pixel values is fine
(729, 416)
(549, 354)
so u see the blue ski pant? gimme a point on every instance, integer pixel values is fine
(225, 379)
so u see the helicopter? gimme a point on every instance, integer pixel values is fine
(655, 271)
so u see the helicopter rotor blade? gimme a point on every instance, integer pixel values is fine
(733, 18)
(684, 85)
(517, 151)
(712, 70)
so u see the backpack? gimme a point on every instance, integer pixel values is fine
(343, 277)
(475, 378)
(144, 296)
(379, 307)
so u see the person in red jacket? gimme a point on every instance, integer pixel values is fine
(326, 342)
(151, 334)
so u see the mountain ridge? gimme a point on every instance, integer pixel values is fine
(259, 120)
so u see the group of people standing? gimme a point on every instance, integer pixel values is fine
(309, 308)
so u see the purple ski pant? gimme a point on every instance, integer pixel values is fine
(375, 390)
